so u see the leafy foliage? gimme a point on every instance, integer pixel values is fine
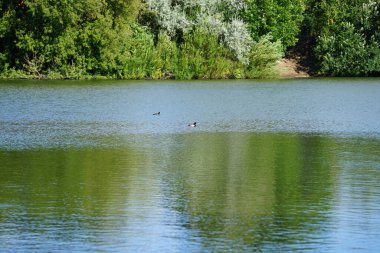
(219, 17)
(93, 39)
(262, 56)
(281, 18)
(201, 56)
(351, 47)
(182, 39)
(82, 38)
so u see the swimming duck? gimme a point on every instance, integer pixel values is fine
(193, 125)
(156, 113)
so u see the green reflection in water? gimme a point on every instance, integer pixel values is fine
(52, 196)
(247, 190)
(205, 191)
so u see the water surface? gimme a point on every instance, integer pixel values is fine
(272, 166)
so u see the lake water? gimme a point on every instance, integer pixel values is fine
(272, 166)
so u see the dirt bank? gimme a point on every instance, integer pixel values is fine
(291, 68)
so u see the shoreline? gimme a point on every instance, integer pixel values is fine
(290, 68)
(287, 68)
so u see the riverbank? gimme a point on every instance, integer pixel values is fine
(287, 68)
(291, 68)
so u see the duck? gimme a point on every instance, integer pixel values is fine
(156, 113)
(192, 125)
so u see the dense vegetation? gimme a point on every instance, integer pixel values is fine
(349, 42)
(185, 39)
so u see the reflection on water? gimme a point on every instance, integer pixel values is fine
(272, 167)
(195, 192)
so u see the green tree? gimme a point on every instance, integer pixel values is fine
(85, 37)
(281, 18)
(101, 38)
(349, 43)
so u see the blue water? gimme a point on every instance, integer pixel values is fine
(272, 166)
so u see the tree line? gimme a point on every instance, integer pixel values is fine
(186, 39)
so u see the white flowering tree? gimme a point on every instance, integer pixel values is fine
(219, 17)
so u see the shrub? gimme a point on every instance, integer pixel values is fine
(218, 17)
(201, 56)
(280, 18)
(263, 58)
(351, 48)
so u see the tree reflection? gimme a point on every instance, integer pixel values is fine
(255, 189)
(65, 193)
(223, 191)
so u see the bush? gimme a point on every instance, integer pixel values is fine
(342, 54)
(351, 48)
(201, 56)
(165, 57)
(218, 17)
(263, 58)
(100, 39)
(280, 18)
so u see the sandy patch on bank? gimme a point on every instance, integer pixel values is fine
(290, 68)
